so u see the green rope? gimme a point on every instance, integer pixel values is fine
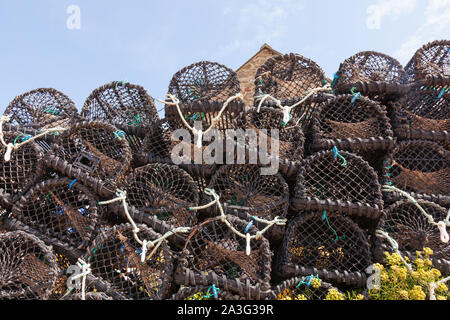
(215, 292)
(324, 217)
(309, 278)
(53, 110)
(337, 154)
(25, 138)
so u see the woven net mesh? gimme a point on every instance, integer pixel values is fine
(204, 81)
(424, 108)
(290, 137)
(323, 177)
(157, 143)
(115, 257)
(421, 167)
(24, 167)
(120, 103)
(40, 108)
(367, 67)
(214, 248)
(165, 191)
(60, 212)
(248, 193)
(303, 288)
(340, 119)
(334, 243)
(288, 76)
(410, 228)
(433, 59)
(27, 267)
(98, 150)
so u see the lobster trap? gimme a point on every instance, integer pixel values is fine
(41, 108)
(351, 125)
(96, 153)
(120, 103)
(302, 288)
(421, 168)
(326, 244)
(424, 112)
(373, 74)
(124, 105)
(23, 169)
(165, 192)
(28, 267)
(246, 193)
(115, 261)
(290, 137)
(214, 254)
(204, 81)
(61, 213)
(288, 76)
(157, 147)
(157, 144)
(202, 89)
(339, 181)
(432, 60)
(405, 223)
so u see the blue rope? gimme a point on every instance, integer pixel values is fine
(337, 154)
(250, 224)
(215, 292)
(309, 278)
(72, 183)
(356, 95)
(119, 134)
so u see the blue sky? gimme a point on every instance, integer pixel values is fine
(146, 42)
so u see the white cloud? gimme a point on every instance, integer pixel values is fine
(435, 27)
(388, 8)
(258, 22)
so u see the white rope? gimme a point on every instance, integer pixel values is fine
(441, 225)
(394, 244)
(432, 287)
(223, 218)
(199, 133)
(85, 270)
(287, 109)
(10, 147)
(122, 196)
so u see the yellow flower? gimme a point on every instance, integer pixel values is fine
(428, 262)
(441, 298)
(384, 277)
(428, 252)
(403, 294)
(435, 272)
(417, 293)
(301, 297)
(379, 266)
(419, 263)
(442, 287)
(316, 283)
(333, 294)
(359, 297)
(415, 275)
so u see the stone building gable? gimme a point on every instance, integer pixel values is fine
(246, 73)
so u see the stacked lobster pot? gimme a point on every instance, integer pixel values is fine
(288, 88)
(369, 78)
(295, 204)
(416, 172)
